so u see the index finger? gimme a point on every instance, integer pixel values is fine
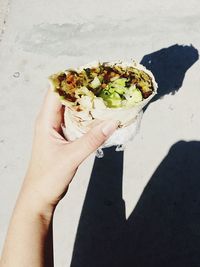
(51, 109)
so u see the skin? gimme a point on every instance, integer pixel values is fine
(53, 164)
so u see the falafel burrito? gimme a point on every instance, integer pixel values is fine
(104, 91)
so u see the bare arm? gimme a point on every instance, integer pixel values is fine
(53, 163)
(29, 238)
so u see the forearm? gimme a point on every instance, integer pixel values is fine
(29, 240)
(53, 164)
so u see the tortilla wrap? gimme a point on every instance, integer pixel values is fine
(79, 118)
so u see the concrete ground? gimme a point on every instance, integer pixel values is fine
(41, 37)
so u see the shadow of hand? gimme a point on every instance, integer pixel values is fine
(169, 66)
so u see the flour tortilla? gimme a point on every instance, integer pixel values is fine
(77, 123)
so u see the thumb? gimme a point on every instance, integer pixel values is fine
(93, 139)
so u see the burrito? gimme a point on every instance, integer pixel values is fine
(104, 91)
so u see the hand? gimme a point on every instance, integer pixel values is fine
(54, 160)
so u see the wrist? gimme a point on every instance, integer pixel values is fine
(32, 203)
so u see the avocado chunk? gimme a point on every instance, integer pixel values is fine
(112, 100)
(118, 86)
(135, 96)
(119, 82)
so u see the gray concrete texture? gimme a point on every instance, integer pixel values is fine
(42, 37)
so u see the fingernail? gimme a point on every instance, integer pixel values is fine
(109, 127)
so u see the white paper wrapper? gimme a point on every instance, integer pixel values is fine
(78, 123)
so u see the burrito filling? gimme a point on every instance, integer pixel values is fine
(109, 86)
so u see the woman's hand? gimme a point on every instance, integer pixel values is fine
(54, 161)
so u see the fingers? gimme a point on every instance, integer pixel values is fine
(52, 110)
(92, 140)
